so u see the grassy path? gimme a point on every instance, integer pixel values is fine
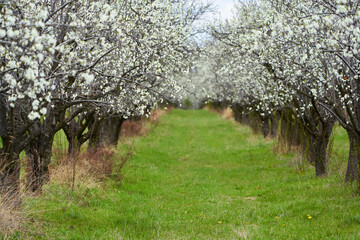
(196, 176)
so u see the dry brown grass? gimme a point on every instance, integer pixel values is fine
(91, 167)
(10, 221)
(11, 218)
(282, 147)
(133, 128)
(157, 113)
(226, 113)
(240, 233)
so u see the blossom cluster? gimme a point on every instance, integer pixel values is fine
(117, 55)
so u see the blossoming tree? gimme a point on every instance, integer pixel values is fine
(299, 56)
(68, 63)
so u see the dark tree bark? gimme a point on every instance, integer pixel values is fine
(318, 149)
(39, 154)
(255, 122)
(239, 114)
(259, 124)
(106, 132)
(219, 105)
(317, 154)
(274, 119)
(265, 125)
(76, 133)
(10, 151)
(289, 132)
(110, 130)
(352, 172)
(317, 127)
(39, 157)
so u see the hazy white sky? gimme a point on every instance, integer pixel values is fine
(224, 7)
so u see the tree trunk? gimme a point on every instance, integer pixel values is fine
(75, 130)
(75, 136)
(244, 119)
(39, 157)
(288, 130)
(237, 112)
(317, 154)
(74, 145)
(265, 126)
(318, 144)
(352, 172)
(110, 130)
(274, 126)
(107, 132)
(255, 122)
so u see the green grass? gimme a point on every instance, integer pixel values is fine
(197, 176)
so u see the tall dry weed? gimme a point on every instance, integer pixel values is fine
(224, 113)
(132, 128)
(90, 168)
(140, 127)
(10, 220)
(227, 113)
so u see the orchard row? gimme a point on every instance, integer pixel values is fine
(83, 67)
(296, 61)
